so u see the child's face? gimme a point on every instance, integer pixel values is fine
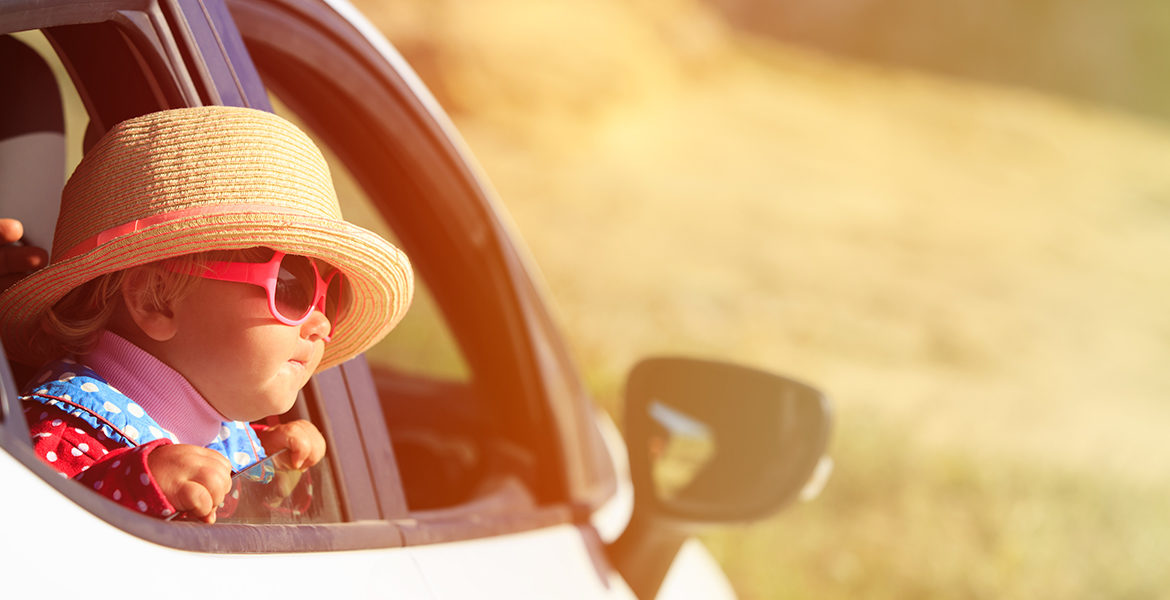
(243, 361)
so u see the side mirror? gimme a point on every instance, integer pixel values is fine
(710, 443)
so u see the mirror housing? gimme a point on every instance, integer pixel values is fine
(710, 443)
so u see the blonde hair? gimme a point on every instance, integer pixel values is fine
(72, 325)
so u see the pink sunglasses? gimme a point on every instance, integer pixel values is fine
(294, 285)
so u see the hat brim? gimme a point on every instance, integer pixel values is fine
(379, 274)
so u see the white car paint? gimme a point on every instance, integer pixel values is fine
(55, 549)
(60, 549)
(555, 562)
(611, 518)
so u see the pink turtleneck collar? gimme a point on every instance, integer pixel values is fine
(162, 391)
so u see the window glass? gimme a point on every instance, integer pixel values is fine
(266, 493)
(421, 344)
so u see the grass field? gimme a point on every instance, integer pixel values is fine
(976, 276)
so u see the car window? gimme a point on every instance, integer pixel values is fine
(440, 433)
(441, 429)
(270, 494)
(460, 435)
(446, 433)
(421, 344)
(34, 165)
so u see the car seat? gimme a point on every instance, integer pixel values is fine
(32, 141)
(32, 148)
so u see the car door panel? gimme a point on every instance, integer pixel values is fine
(77, 554)
(564, 561)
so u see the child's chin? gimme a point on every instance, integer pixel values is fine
(287, 406)
(273, 407)
(279, 406)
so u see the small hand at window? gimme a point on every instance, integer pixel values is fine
(305, 444)
(194, 479)
(17, 260)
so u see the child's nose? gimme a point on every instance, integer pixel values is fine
(317, 327)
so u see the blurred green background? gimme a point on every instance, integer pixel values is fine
(952, 216)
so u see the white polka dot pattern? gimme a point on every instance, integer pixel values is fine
(106, 414)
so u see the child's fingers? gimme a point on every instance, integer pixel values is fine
(307, 448)
(205, 490)
(317, 451)
(11, 230)
(298, 451)
(193, 479)
(20, 259)
(217, 480)
(195, 500)
(304, 444)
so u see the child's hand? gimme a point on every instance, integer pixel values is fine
(193, 479)
(306, 445)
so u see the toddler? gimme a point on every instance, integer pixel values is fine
(201, 273)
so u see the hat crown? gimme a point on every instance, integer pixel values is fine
(202, 179)
(193, 161)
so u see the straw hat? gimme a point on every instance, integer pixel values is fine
(211, 178)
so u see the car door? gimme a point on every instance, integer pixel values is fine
(474, 473)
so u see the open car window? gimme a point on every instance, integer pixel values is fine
(513, 421)
(446, 442)
(45, 125)
(446, 429)
(468, 427)
(422, 344)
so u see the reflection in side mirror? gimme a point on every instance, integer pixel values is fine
(682, 448)
(712, 443)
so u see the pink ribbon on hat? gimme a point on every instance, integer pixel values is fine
(161, 219)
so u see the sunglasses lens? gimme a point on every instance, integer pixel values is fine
(336, 299)
(296, 283)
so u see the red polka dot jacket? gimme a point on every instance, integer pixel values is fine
(94, 434)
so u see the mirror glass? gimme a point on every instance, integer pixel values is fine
(717, 442)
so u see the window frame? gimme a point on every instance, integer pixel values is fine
(150, 47)
(383, 129)
(514, 350)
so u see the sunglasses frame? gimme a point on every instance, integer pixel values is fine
(265, 275)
